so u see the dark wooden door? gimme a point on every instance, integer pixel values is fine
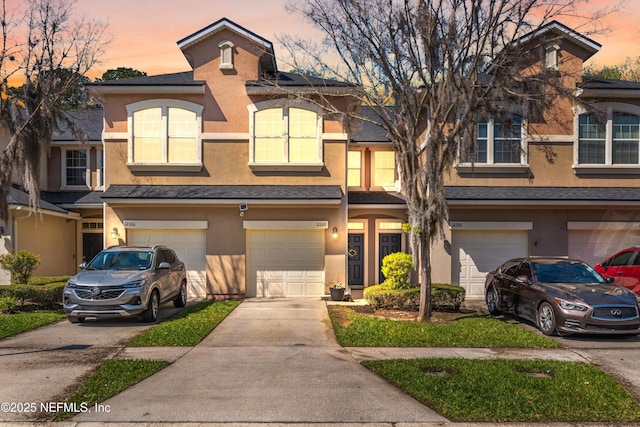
(356, 259)
(91, 245)
(388, 243)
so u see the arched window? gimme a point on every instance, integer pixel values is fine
(226, 55)
(609, 139)
(164, 132)
(285, 135)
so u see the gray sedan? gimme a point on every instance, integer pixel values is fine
(561, 296)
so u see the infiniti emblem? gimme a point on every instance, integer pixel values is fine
(616, 312)
(96, 291)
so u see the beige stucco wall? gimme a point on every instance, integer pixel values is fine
(53, 239)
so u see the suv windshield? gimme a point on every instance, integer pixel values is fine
(125, 260)
(565, 272)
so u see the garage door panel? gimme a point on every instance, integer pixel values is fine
(594, 246)
(189, 245)
(285, 263)
(475, 253)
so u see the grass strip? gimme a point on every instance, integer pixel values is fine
(14, 324)
(504, 390)
(188, 328)
(471, 331)
(112, 377)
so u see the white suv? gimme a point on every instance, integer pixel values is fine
(126, 281)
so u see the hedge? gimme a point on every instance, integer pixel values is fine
(444, 297)
(45, 294)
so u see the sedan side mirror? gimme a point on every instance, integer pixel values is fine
(524, 279)
(164, 265)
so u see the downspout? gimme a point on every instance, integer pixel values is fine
(14, 228)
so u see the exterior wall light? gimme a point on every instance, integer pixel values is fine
(335, 233)
(114, 233)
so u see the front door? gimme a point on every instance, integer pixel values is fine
(91, 245)
(356, 260)
(388, 243)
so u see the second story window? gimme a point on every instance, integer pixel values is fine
(384, 169)
(286, 136)
(75, 169)
(612, 141)
(164, 133)
(499, 143)
(226, 55)
(354, 169)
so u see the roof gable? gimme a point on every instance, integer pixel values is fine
(590, 46)
(226, 24)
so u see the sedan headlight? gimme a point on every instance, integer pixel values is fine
(135, 284)
(566, 305)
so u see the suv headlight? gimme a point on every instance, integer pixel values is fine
(566, 305)
(135, 284)
(71, 284)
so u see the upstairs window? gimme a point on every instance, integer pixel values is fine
(354, 169)
(226, 55)
(499, 143)
(384, 169)
(286, 136)
(164, 133)
(75, 169)
(551, 54)
(612, 141)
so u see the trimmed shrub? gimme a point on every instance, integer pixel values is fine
(21, 265)
(444, 297)
(8, 305)
(396, 268)
(29, 297)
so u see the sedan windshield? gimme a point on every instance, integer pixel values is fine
(129, 260)
(566, 272)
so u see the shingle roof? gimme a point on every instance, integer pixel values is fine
(366, 129)
(283, 79)
(375, 198)
(19, 197)
(599, 83)
(72, 198)
(543, 193)
(229, 192)
(89, 123)
(172, 79)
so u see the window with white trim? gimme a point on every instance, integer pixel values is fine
(100, 168)
(285, 135)
(551, 55)
(499, 143)
(612, 141)
(354, 168)
(226, 55)
(75, 169)
(165, 133)
(384, 169)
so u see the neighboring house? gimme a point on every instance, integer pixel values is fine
(223, 164)
(68, 227)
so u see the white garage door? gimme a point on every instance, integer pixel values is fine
(190, 247)
(474, 253)
(285, 263)
(594, 246)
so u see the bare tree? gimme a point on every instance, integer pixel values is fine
(44, 53)
(431, 69)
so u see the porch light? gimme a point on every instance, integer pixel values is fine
(335, 233)
(114, 233)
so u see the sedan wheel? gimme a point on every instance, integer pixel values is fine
(546, 319)
(492, 300)
(181, 299)
(151, 313)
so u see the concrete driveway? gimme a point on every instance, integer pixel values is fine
(270, 361)
(48, 364)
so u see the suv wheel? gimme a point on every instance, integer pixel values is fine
(151, 313)
(181, 299)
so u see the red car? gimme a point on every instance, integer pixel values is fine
(624, 268)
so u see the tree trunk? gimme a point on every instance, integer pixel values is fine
(425, 278)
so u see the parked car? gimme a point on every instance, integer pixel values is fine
(561, 296)
(126, 281)
(623, 267)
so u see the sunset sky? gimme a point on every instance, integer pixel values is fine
(145, 32)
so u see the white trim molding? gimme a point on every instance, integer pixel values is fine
(167, 225)
(285, 225)
(490, 225)
(602, 225)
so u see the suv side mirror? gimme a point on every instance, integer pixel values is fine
(164, 265)
(82, 265)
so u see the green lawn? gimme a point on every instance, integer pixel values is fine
(477, 330)
(188, 328)
(13, 324)
(503, 390)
